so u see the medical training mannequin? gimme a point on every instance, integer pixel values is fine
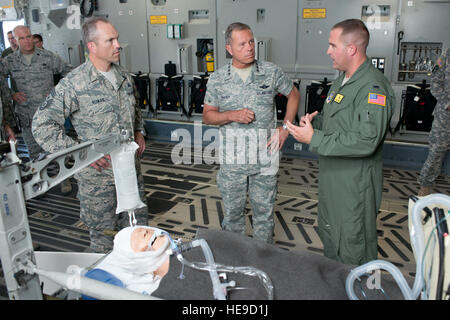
(139, 258)
(140, 242)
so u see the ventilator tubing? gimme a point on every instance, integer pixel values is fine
(375, 265)
(213, 268)
(417, 235)
(123, 163)
(418, 243)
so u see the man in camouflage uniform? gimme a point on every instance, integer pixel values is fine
(7, 121)
(99, 98)
(439, 138)
(32, 69)
(239, 98)
(13, 45)
(7, 104)
(6, 118)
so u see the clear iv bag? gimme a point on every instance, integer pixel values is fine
(123, 163)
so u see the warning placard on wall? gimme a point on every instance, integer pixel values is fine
(314, 13)
(158, 19)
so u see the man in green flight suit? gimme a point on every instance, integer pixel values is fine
(348, 135)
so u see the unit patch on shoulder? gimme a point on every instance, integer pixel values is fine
(375, 98)
(338, 98)
(48, 99)
(440, 62)
(330, 97)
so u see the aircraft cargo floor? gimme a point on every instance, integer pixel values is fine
(183, 198)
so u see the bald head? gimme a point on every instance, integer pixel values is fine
(354, 32)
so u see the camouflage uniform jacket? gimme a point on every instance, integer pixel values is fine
(6, 98)
(5, 118)
(5, 110)
(95, 107)
(227, 91)
(35, 79)
(1, 123)
(440, 82)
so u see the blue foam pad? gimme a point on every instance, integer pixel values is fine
(103, 276)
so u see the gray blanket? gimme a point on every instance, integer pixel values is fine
(294, 274)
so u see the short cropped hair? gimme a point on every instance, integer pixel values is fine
(18, 27)
(357, 28)
(89, 29)
(235, 26)
(38, 36)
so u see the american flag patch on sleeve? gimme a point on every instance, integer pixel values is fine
(376, 98)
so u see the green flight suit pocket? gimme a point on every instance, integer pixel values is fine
(368, 125)
(330, 243)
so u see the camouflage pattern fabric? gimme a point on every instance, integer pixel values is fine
(98, 209)
(262, 192)
(2, 130)
(6, 52)
(36, 81)
(227, 91)
(439, 138)
(242, 145)
(5, 108)
(96, 109)
(6, 98)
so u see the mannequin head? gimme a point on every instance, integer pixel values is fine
(143, 249)
(145, 239)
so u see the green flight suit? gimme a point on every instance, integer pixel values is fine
(348, 136)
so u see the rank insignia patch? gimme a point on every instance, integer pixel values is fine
(338, 98)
